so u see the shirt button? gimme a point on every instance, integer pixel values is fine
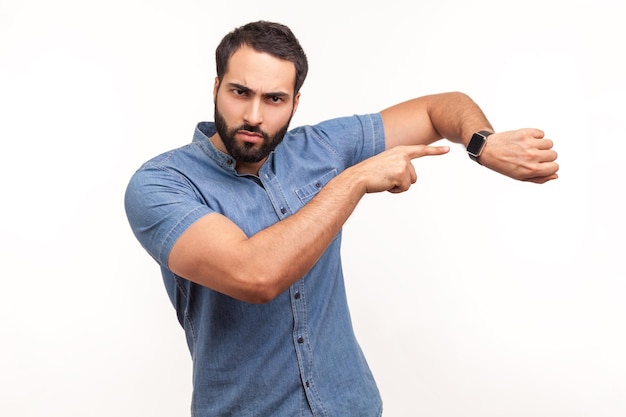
(229, 161)
(318, 184)
(283, 210)
(297, 295)
(307, 384)
(300, 339)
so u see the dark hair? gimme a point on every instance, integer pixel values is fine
(269, 37)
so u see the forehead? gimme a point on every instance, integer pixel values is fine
(260, 71)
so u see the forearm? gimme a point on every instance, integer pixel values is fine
(424, 120)
(284, 252)
(456, 117)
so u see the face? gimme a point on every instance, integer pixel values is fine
(254, 104)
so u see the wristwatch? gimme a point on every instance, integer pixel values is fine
(477, 144)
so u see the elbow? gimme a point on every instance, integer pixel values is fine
(260, 298)
(262, 289)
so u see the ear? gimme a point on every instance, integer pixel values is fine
(216, 87)
(296, 101)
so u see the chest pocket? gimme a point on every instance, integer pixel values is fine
(306, 193)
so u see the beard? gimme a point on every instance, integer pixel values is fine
(247, 152)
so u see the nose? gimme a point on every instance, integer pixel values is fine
(253, 115)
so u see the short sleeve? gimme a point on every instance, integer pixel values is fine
(160, 205)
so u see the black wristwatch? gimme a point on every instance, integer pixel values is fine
(477, 144)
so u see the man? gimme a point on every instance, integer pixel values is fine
(246, 221)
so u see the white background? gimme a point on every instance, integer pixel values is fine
(471, 294)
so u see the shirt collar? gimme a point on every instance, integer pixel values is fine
(202, 135)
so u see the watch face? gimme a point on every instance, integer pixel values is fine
(476, 144)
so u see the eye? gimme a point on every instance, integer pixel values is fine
(275, 99)
(240, 92)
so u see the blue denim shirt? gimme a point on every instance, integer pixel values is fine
(296, 355)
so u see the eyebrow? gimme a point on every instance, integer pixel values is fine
(249, 90)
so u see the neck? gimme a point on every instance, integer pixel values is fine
(249, 168)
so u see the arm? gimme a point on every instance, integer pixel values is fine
(521, 154)
(214, 252)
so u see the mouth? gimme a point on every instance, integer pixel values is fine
(249, 137)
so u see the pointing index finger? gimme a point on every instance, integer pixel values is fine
(417, 151)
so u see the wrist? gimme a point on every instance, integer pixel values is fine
(477, 144)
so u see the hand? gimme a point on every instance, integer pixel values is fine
(392, 170)
(521, 154)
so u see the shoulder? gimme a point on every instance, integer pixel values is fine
(349, 139)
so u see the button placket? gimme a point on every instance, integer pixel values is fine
(275, 193)
(300, 331)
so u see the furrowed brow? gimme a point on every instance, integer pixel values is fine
(240, 87)
(248, 90)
